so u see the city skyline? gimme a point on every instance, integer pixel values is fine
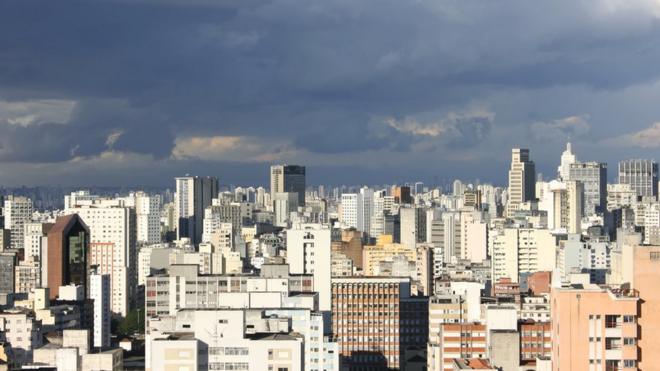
(159, 89)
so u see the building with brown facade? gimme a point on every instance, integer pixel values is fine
(377, 323)
(68, 249)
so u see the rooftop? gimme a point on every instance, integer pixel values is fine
(473, 364)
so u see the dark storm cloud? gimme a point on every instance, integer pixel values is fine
(318, 75)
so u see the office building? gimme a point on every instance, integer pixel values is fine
(522, 180)
(284, 203)
(290, 179)
(193, 196)
(401, 194)
(593, 176)
(642, 175)
(68, 253)
(377, 322)
(147, 216)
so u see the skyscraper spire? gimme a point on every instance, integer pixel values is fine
(567, 158)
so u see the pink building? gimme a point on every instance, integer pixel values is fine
(594, 329)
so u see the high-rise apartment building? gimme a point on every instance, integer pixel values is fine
(594, 328)
(112, 247)
(593, 176)
(642, 175)
(309, 252)
(461, 340)
(515, 251)
(288, 178)
(522, 179)
(34, 234)
(413, 225)
(68, 253)
(193, 196)
(646, 275)
(17, 212)
(99, 292)
(147, 216)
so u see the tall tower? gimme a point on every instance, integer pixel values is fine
(288, 178)
(193, 196)
(567, 158)
(522, 179)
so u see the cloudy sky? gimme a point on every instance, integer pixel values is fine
(361, 91)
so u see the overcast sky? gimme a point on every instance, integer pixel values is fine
(359, 91)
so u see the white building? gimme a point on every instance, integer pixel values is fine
(33, 236)
(567, 158)
(193, 195)
(357, 209)
(284, 203)
(147, 216)
(17, 212)
(308, 252)
(474, 236)
(23, 333)
(229, 344)
(113, 247)
(521, 250)
(99, 291)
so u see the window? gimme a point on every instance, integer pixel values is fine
(629, 363)
(628, 319)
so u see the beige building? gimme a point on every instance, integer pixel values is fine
(442, 309)
(521, 250)
(522, 180)
(384, 249)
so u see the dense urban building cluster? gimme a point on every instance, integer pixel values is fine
(542, 275)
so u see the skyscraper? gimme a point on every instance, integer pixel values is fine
(593, 176)
(288, 178)
(567, 158)
(193, 195)
(68, 253)
(642, 175)
(522, 179)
